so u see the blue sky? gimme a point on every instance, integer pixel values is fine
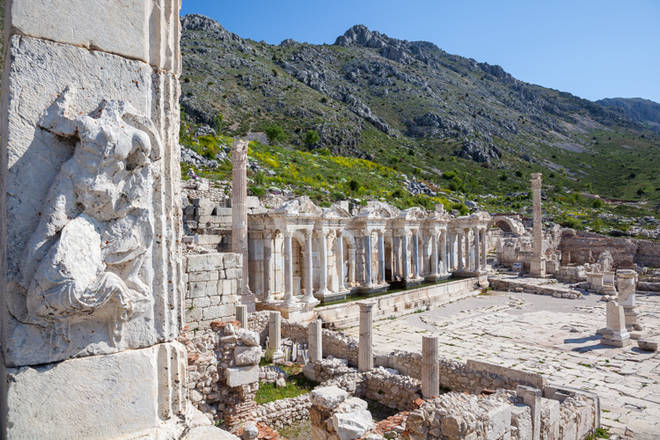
(591, 48)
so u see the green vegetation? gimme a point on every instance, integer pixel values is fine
(296, 385)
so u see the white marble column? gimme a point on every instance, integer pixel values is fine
(288, 270)
(268, 266)
(309, 270)
(352, 267)
(469, 250)
(396, 257)
(239, 221)
(434, 255)
(242, 315)
(275, 335)
(484, 249)
(368, 280)
(365, 343)
(381, 257)
(323, 264)
(404, 256)
(315, 340)
(459, 241)
(339, 246)
(477, 251)
(443, 256)
(430, 367)
(415, 251)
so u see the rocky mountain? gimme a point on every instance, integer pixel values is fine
(640, 110)
(375, 97)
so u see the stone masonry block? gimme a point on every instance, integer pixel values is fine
(204, 262)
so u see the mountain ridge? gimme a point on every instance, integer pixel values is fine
(380, 98)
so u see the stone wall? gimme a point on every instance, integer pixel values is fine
(401, 303)
(223, 372)
(284, 412)
(585, 247)
(212, 282)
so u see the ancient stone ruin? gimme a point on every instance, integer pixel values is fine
(137, 306)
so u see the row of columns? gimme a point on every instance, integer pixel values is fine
(453, 249)
(467, 255)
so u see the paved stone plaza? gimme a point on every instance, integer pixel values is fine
(553, 336)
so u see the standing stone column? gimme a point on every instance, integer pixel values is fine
(443, 250)
(459, 240)
(368, 280)
(239, 225)
(434, 255)
(477, 251)
(537, 264)
(242, 315)
(268, 266)
(353, 263)
(315, 340)
(430, 368)
(365, 344)
(308, 298)
(288, 270)
(323, 264)
(615, 334)
(91, 227)
(415, 252)
(484, 250)
(275, 335)
(381, 257)
(404, 256)
(340, 261)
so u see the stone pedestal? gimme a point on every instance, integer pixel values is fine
(615, 334)
(315, 340)
(365, 344)
(274, 336)
(430, 367)
(627, 286)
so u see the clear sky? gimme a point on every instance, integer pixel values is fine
(591, 48)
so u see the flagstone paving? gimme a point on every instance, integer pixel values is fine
(552, 336)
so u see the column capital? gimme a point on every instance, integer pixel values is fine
(366, 306)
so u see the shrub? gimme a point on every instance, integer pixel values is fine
(597, 203)
(275, 134)
(354, 185)
(311, 138)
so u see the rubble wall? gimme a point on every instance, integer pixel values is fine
(284, 412)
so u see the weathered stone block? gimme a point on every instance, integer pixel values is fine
(85, 23)
(76, 398)
(237, 376)
(209, 275)
(247, 355)
(232, 260)
(204, 262)
(202, 289)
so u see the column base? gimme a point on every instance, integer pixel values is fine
(616, 339)
(332, 296)
(373, 288)
(537, 268)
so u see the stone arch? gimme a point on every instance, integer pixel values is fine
(508, 225)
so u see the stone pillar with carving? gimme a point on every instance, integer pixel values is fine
(484, 248)
(537, 263)
(268, 266)
(91, 221)
(368, 280)
(415, 253)
(239, 226)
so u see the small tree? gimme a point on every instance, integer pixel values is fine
(275, 133)
(311, 138)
